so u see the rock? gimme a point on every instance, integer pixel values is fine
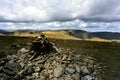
(41, 61)
(28, 70)
(70, 70)
(18, 77)
(4, 77)
(1, 68)
(55, 49)
(23, 50)
(13, 66)
(8, 72)
(58, 71)
(64, 57)
(22, 65)
(84, 70)
(66, 77)
(36, 75)
(2, 63)
(77, 69)
(43, 67)
(97, 78)
(37, 69)
(45, 73)
(87, 77)
(75, 77)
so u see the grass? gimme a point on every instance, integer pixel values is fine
(106, 52)
(59, 35)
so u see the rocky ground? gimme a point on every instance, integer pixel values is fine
(66, 65)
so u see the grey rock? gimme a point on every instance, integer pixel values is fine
(70, 70)
(87, 77)
(78, 69)
(2, 63)
(8, 72)
(45, 73)
(4, 77)
(41, 61)
(13, 66)
(64, 57)
(37, 69)
(84, 70)
(75, 77)
(23, 50)
(1, 68)
(58, 71)
(18, 77)
(28, 70)
(97, 78)
(55, 49)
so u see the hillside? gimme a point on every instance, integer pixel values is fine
(67, 34)
(107, 35)
(5, 32)
(89, 35)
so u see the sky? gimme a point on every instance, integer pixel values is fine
(89, 15)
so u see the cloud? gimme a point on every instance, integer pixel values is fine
(89, 15)
(74, 24)
(59, 10)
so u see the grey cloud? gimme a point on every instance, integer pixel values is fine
(59, 10)
(75, 24)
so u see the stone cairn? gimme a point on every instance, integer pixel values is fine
(62, 65)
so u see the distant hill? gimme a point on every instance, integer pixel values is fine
(107, 35)
(88, 35)
(78, 33)
(5, 32)
(66, 34)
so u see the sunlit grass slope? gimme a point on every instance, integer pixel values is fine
(59, 35)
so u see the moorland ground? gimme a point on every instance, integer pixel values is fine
(107, 53)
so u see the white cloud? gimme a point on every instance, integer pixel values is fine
(75, 24)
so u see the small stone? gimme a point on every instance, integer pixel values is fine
(36, 75)
(84, 70)
(75, 77)
(70, 70)
(54, 79)
(23, 50)
(37, 69)
(78, 69)
(45, 73)
(64, 57)
(13, 66)
(40, 62)
(58, 71)
(2, 63)
(18, 77)
(22, 65)
(4, 77)
(1, 68)
(87, 77)
(28, 70)
(8, 72)
(97, 78)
